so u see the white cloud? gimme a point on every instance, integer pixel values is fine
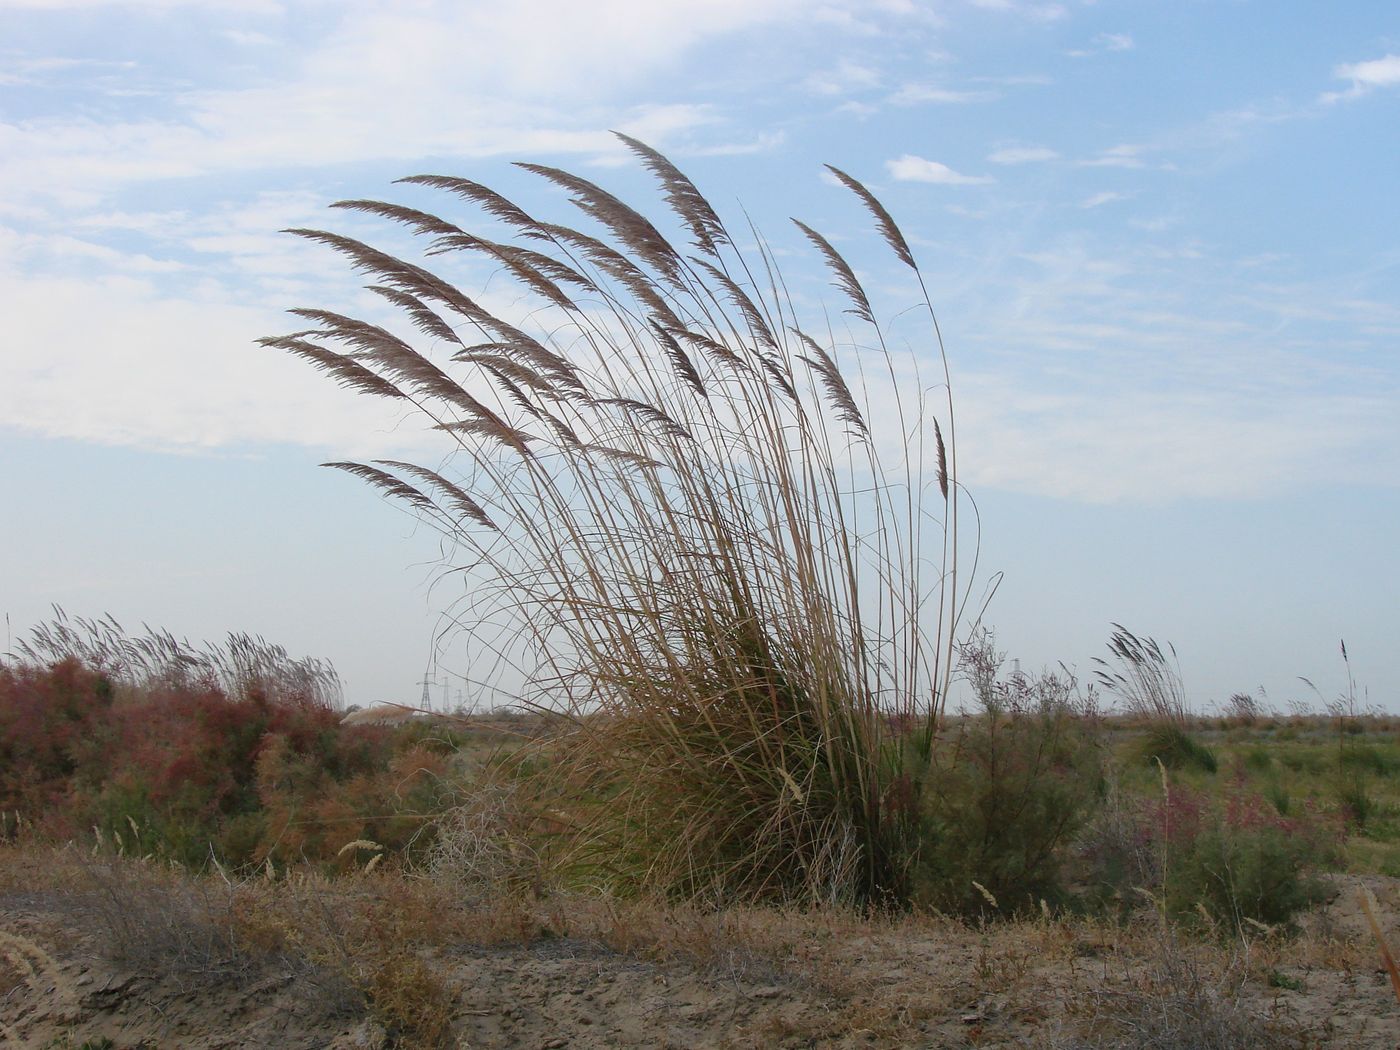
(857, 109)
(1107, 197)
(847, 77)
(1022, 155)
(916, 94)
(1104, 43)
(1037, 12)
(1123, 156)
(1145, 446)
(248, 38)
(246, 6)
(1366, 77)
(542, 76)
(909, 168)
(113, 360)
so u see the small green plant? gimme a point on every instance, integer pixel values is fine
(1215, 863)
(1368, 759)
(1238, 862)
(1357, 804)
(1175, 748)
(1278, 795)
(1258, 760)
(1279, 979)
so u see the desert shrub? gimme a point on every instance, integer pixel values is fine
(682, 524)
(1247, 865)
(1219, 863)
(1178, 1003)
(1279, 796)
(1368, 758)
(1299, 760)
(1174, 748)
(176, 766)
(489, 845)
(51, 722)
(1358, 806)
(1009, 790)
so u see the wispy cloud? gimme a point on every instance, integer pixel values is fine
(1037, 12)
(138, 367)
(1126, 155)
(920, 94)
(1147, 446)
(1365, 77)
(846, 78)
(1022, 155)
(1102, 44)
(910, 168)
(248, 6)
(1098, 199)
(544, 76)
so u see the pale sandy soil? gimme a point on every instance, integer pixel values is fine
(617, 977)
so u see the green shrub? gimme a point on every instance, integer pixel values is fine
(1308, 760)
(1258, 760)
(1209, 862)
(1278, 795)
(1356, 803)
(1266, 873)
(168, 764)
(1008, 792)
(1175, 748)
(1368, 758)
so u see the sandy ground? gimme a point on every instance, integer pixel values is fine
(929, 984)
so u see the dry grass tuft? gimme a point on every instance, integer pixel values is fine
(244, 666)
(684, 528)
(1183, 1000)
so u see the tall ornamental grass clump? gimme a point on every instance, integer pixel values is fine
(682, 525)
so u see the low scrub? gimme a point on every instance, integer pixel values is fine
(1175, 748)
(178, 767)
(1219, 865)
(1009, 791)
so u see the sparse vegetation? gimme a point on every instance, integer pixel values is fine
(169, 764)
(737, 608)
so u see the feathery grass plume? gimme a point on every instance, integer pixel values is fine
(884, 221)
(1146, 681)
(243, 666)
(683, 197)
(846, 278)
(682, 529)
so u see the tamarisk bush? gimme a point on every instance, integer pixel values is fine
(682, 527)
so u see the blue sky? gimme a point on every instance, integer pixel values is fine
(1163, 240)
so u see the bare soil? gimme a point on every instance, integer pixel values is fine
(614, 977)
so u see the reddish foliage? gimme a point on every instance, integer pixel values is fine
(189, 769)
